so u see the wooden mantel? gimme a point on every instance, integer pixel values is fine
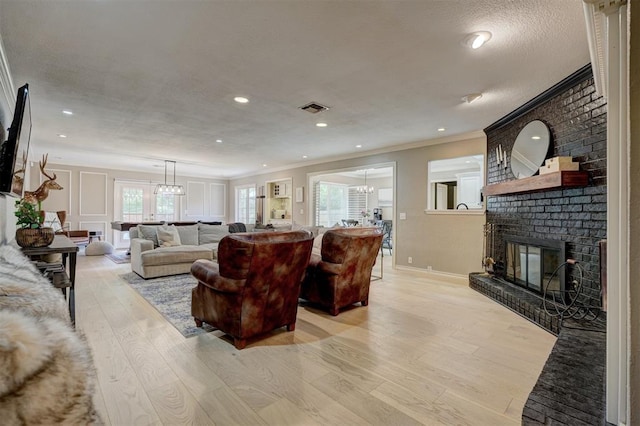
(547, 181)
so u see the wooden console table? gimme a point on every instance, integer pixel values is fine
(69, 250)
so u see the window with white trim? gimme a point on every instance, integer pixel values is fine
(246, 204)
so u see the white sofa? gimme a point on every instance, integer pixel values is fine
(150, 260)
(199, 241)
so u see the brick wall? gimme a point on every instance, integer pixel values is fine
(577, 121)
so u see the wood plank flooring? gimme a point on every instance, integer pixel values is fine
(427, 350)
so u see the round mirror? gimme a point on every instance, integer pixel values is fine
(530, 149)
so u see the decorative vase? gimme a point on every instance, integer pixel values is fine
(39, 237)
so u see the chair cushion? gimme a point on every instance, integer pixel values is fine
(168, 236)
(98, 248)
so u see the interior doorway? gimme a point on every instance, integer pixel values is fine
(360, 196)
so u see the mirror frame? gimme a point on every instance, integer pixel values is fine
(530, 149)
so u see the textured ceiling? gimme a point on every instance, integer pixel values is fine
(149, 81)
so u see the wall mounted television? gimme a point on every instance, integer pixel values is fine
(14, 151)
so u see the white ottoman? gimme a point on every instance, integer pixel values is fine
(98, 248)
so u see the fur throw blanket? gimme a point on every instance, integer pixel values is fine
(46, 370)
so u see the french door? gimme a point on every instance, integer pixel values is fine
(136, 202)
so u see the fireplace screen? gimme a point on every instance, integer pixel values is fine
(531, 263)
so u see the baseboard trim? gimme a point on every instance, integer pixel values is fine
(433, 272)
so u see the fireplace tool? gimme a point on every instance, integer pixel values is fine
(570, 303)
(488, 248)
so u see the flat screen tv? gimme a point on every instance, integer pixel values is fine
(14, 151)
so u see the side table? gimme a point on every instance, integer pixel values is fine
(69, 250)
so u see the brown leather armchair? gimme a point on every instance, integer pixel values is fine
(341, 274)
(254, 287)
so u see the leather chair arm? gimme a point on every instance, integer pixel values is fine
(208, 274)
(330, 268)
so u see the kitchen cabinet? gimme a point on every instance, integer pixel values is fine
(279, 202)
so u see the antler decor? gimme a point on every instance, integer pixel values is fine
(41, 194)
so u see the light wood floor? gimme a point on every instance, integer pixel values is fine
(427, 350)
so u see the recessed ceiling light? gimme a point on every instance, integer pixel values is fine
(241, 99)
(67, 112)
(441, 129)
(264, 165)
(219, 140)
(477, 39)
(471, 97)
(62, 136)
(304, 156)
(321, 124)
(535, 137)
(358, 146)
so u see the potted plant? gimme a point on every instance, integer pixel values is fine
(30, 232)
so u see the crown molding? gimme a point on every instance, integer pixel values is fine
(400, 147)
(6, 82)
(577, 77)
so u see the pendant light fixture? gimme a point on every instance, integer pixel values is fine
(167, 189)
(365, 188)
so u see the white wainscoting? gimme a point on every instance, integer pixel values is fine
(218, 202)
(58, 200)
(95, 226)
(195, 199)
(93, 194)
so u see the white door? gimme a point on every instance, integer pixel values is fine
(441, 196)
(136, 202)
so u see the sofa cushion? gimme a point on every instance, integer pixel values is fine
(168, 236)
(212, 233)
(176, 254)
(188, 234)
(148, 232)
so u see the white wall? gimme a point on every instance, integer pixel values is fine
(634, 216)
(448, 243)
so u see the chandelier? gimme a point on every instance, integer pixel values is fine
(364, 188)
(166, 189)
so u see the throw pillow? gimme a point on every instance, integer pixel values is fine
(188, 235)
(208, 234)
(148, 232)
(168, 236)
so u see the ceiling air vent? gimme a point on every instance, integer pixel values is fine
(314, 108)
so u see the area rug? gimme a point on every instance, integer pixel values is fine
(119, 257)
(171, 296)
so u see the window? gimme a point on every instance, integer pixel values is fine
(246, 204)
(456, 183)
(132, 204)
(357, 203)
(136, 202)
(166, 207)
(331, 203)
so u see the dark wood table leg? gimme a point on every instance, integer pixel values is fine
(72, 289)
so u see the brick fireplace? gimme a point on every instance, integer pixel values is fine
(554, 224)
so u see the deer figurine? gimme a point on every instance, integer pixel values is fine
(41, 194)
(18, 175)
